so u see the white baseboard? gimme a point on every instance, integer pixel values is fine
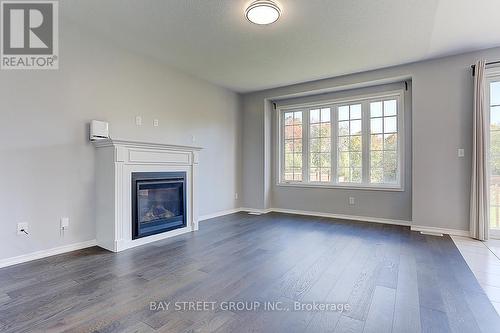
(46, 253)
(434, 230)
(259, 211)
(425, 229)
(219, 213)
(343, 217)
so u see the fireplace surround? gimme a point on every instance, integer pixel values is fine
(161, 176)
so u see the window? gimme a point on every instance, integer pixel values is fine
(344, 143)
(384, 142)
(350, 144)
(320, 137)
(293, 146)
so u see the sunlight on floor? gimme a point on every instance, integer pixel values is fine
(483, 259)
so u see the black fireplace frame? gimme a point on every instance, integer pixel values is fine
(172, 177)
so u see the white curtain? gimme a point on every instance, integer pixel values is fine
(479, 207)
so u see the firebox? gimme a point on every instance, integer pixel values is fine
(158, 202)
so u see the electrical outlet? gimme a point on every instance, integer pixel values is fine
(352, 201)
(236, 196)
(193, 138)
(138, 120)
(156, 123)
(64, 223)
(22, 228)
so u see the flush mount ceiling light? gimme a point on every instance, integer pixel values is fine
(263, 12)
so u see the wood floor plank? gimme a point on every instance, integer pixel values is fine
(433, 321)
(349, 325)
(407, 307)
(125, 325)
(429, 295)
(211, 322)
(4, 298)
(381, 313)
(388, 275)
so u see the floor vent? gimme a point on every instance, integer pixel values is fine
(431, 233)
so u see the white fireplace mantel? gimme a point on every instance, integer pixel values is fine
(115, 162)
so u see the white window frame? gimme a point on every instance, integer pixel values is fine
(492, 74)
(364, 100)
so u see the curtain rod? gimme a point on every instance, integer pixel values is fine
(488, 63)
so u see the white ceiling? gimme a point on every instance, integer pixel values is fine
(314, 39)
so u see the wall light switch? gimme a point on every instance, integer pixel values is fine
(64, 222)
(193, 138)
(461, 152)
(138, 120)
(156, 123)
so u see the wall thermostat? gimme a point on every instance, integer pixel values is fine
(99, 130)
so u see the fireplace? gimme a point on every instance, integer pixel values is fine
(144, 189)
(158, 202)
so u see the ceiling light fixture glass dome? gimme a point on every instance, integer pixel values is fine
(263, 12)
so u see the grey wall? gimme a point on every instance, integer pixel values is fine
(441, 123)
(47, 164)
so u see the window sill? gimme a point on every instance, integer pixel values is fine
(345, 187)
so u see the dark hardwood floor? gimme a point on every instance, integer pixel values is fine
(387, 277)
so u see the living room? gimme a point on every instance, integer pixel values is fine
(265, 166)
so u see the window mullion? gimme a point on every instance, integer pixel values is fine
(365, 114)
(282, 145)
(334, 143)
(305, 146)
(400, 140)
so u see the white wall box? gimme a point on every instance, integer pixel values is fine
(99, 130)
